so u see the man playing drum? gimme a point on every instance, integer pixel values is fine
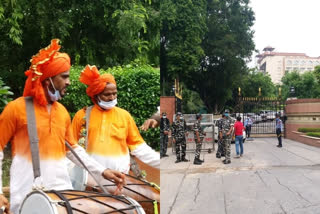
(112, 131)
(48, 78)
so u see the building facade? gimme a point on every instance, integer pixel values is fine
(276, 64)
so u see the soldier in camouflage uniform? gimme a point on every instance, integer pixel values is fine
(220, 152)
(179, 129)
(225, 132)
(164, 131)
(198, 138)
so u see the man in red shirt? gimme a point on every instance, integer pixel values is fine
(238, 131)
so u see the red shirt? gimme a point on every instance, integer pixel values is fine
(238, 127)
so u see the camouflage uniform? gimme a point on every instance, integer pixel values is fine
(225, 125)
(197, 128)
(220, 151)
(179, 128)
(164, 126)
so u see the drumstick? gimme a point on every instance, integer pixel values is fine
(2, 209)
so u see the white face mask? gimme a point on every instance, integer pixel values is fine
(53, 96)
(164, 116)
(107, 105)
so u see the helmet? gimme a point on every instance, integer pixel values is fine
(179, 114)
(226, 111)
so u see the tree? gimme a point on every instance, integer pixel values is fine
(305, 85)
(254, 80)
(183, 25)
(228, 44)
(103, 33)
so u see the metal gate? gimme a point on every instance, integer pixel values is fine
(262, 111)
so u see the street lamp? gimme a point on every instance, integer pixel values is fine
(292, 91)
(174, 90)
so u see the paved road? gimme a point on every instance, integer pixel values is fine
(267, 180)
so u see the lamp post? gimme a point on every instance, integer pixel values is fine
(292, 91)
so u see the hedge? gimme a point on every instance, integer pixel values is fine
(313, 134)
(305, 130)
(138, 92)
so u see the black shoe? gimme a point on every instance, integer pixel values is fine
(165, 155)
(222, 155)
(197, 162)
(279, 146)
(200, 160)
(218, 156)
(227, 161)
(178, 160)
(185, 160)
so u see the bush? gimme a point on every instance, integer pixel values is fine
(313, 134)
(4, 95)
(305, 130)
(138, 93)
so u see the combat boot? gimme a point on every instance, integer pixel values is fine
(218, 156)
(184, 159)
(197, 162)
(200, 160)
(227, 161)
(178, 160)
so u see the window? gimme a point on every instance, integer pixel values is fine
(288, 68)
(303, 62)
(310, 62)
(289, 62)
(296, 62)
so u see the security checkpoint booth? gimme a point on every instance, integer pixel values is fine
(207, 124)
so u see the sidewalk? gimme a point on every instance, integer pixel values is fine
(266, 180)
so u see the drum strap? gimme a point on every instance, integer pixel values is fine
(88, 112)
(33, 136)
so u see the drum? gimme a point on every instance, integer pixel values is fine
(145, 193)
(76, 202)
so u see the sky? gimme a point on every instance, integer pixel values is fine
(287, 25)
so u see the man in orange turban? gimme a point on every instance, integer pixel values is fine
(48, 78)
(111, 131)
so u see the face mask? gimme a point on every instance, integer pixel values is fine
(54, 96)
(227, 115)
(164, 117)
(107, 105)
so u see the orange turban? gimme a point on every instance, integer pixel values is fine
(47, 63)
(96, 83)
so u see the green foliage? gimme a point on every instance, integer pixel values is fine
(191, 102)
(251, 82)
(205, 44)
(183, 26)
(313, 134)
(103, 33)
(306, 85)
(4, 95)
(138, 93)
(305, 130)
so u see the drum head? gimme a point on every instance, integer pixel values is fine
(78, 177)
(37, 203)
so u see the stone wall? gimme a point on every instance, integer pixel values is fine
(302, 113)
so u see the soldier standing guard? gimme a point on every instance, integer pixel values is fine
(164, 131)
(220, 150)
(198, 138)
(179, 129)
(225, 132)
